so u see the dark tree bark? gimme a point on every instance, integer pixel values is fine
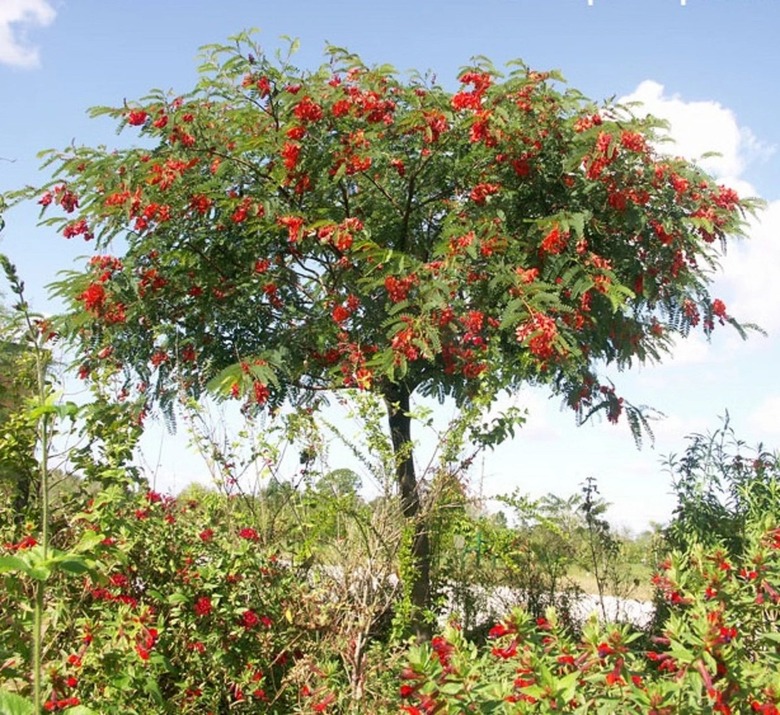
(397, 400)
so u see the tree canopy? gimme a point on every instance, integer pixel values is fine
(279, 232)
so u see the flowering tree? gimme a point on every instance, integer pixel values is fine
(279, 233)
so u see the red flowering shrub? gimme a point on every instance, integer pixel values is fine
(716, 651)
(176, 613)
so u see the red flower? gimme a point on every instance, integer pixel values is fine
(93, 297)
(540, 331)
(136, 117)
(633, 141)
(77, 228)
(406, 690)
(249, 619)
(206, 535)
(25, 543)
(202, 606)
(555, 241)
(498, 630)
(398, 288)
(323, 704)
(506, 653)
(294, 225)
(249, 534)
(399, 166)
(290, 153)
(260, 392)
(340, 313)
(308, 111)
(481, 191)
(200, 203)
(604, 649)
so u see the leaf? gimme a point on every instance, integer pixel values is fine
(13, 704)
(80, 710)
(451, 688)
(39, 573)
(73, 565)
(88, 541)
(12, 563)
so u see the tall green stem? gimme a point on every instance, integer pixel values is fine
(44, 436)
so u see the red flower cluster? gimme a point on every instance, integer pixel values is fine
(540, 331)
(308, 111)
(136, 117)
(481, 191)
(398, 288)
(249, 534)
(555, 241)
(202, 606)
(472, 99)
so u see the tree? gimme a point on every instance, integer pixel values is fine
(281, 233)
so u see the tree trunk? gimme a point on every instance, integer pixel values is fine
(397, 400)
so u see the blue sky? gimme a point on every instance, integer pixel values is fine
(708, 66)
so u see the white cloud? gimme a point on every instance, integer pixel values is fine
(766, 417)
(15, 17)
(749, 272)
(698, 128)
(692, 350)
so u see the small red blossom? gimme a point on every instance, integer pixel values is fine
(249, 619)
(398, 288)
(340, 314)
(500, 629)
(26, 542)
(322, 705)
(249, 534)
(294, 226)
(200, 203)
(136, 117)
(260, 392)
(202, 606)
(555, 241)
(604, 649)
(480, 192)
(290, 153)
(399, 166)
(633, 141)
(307, 110)
(406, 690)
(507, 652)
(78, 228)
(206, 535)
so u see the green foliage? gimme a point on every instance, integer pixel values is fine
(18, 385)
(285, 231)
(722, 485)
